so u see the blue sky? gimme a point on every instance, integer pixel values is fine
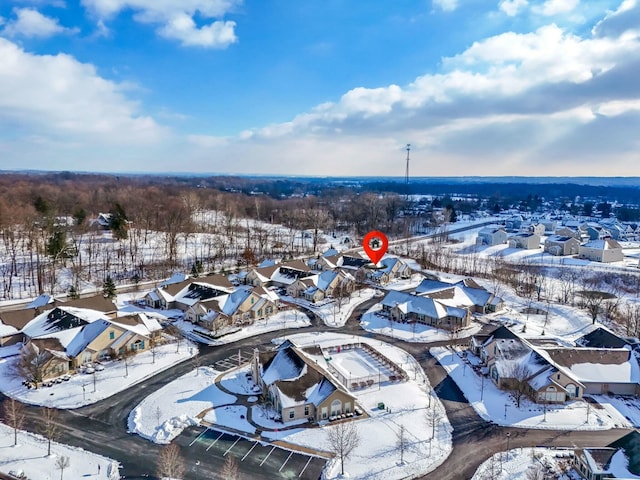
(321, 87)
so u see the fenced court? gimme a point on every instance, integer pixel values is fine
(359, 365)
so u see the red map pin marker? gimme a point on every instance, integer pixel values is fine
(375, 245)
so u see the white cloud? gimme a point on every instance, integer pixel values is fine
(175, 19)
(58, 99)
(556, 7)
(513, 7)
(31, 23)
(446, 5)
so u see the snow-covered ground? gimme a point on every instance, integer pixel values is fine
(164, 414)
(30, 457)
(498, 406)
(521, 463)
(80, 389)
(328, 311)
(373, 321)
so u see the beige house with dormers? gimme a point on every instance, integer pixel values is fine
(297, 387)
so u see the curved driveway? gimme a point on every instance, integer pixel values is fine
(101, 427)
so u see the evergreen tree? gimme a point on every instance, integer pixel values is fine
(118, 222)
(109, 288)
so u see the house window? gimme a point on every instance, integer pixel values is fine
(251, 300)
(112, 335)
(259, 312)
(306, 410)
(292, 413)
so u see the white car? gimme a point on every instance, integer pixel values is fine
(99, 368)
(90, 370)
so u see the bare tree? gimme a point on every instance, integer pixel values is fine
(49, 426)
(32, 363)
(13, 413)
(176, 333)
(158, 414)
(230, 469)
(535, 472)
(125, 356)
(62, 462)
(197, 362)
(343, 439)
(402, 442)
(515, 380)
(170, 462)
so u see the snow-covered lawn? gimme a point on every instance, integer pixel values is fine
(517, 464)
(498, 406)
(164, 414)
(328, 311)
(81, 390)
(626, 406)
(373, 321)
(30, 457)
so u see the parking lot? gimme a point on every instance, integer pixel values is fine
(254, 459)
(232, 361)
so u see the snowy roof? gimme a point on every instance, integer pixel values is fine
(325, 279)
(138, 323)
(330, 252)
(60, 319)
(298, 379)
(602, 338)
(409, 303)
(559, 239)
(490, 230)
(177, 277)
(17, 318)
(603, 244)
(41, 301)
(229, 304)
(84, 336)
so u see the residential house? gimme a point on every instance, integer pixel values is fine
(297, 387)
(595, 231)
(464, 294)
(554, 372)
(243, 306)
(392, 268)
(53, 360)
(569, 232)
(280, 275)
(560, 246)
(550, 226)
(492, 235)
(605, 250)
(11, 325)
(595, 463)
(409, 308)
(320, 286)
(73, 336)
(528, 241)
(514, 223)
(184, 294)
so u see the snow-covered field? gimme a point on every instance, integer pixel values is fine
(498, 406)
(30, 457)
(80, 389)
(165, 413)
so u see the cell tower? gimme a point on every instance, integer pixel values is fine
(406, 174)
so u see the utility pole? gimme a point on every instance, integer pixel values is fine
(406, 174)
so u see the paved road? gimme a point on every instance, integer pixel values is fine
(101, 427)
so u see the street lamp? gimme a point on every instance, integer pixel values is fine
(196, 468)
(505, 411)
